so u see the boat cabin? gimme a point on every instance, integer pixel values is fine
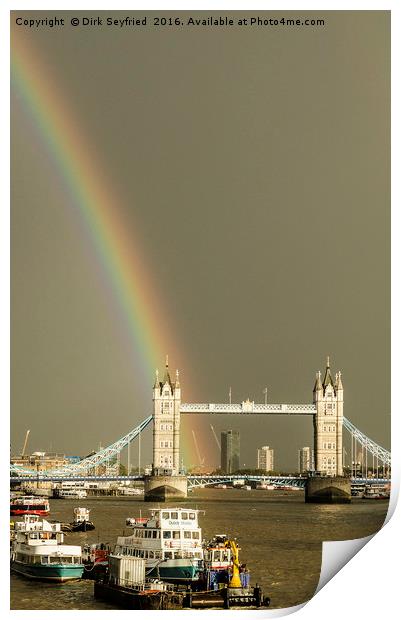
(170, 533)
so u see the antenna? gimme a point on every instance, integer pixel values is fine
(265, 393)
(229, 395)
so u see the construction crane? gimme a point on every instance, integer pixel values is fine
(201, 461)
(216, 438)
(25, 442)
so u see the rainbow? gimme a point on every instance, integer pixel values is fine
(119, 256)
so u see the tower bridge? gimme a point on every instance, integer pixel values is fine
(326, 410)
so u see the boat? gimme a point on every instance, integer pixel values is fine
(70, 493)
(376, 491)
(96, 560)
(130, 491)
(170, 542)
(81, 521)
(38, 552)
(218, 561)
(30, 505)
(125, 584)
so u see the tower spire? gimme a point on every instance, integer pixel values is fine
(327, 376)
(318, 382)
(166, 378)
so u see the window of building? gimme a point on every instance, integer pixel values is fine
(192, 515)
(195, 535)
(184, 516)
(174, 515)
(187, 534)
(166, 534)
(176, 534)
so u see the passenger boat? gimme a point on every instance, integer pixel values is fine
(376, 492)
(29, 505)
(70, 493)
(170, 542)
(38, 552)
(130, 491)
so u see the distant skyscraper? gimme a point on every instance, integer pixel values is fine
(305, 460)
(266, 458)
(229, 451)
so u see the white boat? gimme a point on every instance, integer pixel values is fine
(70, 493)
(130, 491)
(170, 542)
(38, 552)
(376, 491)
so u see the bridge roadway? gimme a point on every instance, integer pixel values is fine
(193, 481)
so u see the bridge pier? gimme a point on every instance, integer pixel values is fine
(165, 488)
(328, 490)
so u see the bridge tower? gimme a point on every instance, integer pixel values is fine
(166, 424)
(328, 397)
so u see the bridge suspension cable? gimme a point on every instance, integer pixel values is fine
(95, 459)
(368, 444)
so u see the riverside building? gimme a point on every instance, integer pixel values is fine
(305, 460)
(266, 458)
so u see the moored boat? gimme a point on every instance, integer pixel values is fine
(170, 542)
(70, 493)
(81, 522)
(29, 505)
(38, 552)
(96, 560)
(376, 491)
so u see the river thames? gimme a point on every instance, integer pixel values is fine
(280, 538)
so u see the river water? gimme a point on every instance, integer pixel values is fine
(280, 538)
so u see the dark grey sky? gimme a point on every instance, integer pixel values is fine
(254, 166)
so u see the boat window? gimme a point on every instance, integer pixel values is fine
(176, 534)
(166, 534)
(154, 534)
(192, 515)
(187, 534)
(158, 554)
(195, 534)
(168, 555)
(45, 559)
(198, 554)
(184, 516)
(165, 515)
(174, 515)
(150, 554)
